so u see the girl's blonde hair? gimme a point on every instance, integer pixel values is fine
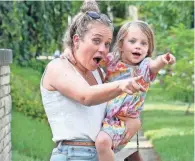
(81, 21)
(124, 31)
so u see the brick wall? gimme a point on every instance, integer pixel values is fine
(5, 105)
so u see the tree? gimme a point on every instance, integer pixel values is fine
(179, 84)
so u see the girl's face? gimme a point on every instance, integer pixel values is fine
(135, 46)
(94, 46)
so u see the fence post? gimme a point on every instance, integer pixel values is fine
(5, 105)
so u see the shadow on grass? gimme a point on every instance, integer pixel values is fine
(31, 138)
(175, 148)
(158, 119)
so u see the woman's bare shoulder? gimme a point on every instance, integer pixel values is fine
(59, 65)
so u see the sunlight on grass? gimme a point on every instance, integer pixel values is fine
(174, 107)
(170, 131)
(160, 133)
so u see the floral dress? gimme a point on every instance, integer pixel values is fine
(124, 105)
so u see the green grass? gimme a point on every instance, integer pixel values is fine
(31, 139)
(19, 157)
(26, 74)
(170, 130)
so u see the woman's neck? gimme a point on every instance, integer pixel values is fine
(81, 69)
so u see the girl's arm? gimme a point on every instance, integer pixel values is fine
(161, 61)
(61, 77)
(107, 61)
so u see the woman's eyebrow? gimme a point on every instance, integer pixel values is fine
(97, 35)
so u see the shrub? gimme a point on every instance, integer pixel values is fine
(25, 91)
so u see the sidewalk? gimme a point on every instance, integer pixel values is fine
(145, 148)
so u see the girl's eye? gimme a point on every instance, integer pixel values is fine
(132, 41)
(144, 43)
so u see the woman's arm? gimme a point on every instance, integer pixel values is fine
(161, 61)
(62, 77)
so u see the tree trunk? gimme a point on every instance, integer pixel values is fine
(187, 112)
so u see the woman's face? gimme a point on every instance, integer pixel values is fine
(94, 46)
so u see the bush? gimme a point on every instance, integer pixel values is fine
(38, 65)
(25, 91)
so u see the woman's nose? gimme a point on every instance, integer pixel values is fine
(103, 49)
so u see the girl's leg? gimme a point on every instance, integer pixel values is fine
(132, 126)
(103, 145)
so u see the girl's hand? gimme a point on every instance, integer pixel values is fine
(131, 85)
(69, 55)
(168, 58)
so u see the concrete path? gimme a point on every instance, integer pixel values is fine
(145, 149)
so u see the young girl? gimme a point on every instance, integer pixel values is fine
(130, 58)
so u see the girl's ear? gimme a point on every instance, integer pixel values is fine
(120, 46)
(76, 41)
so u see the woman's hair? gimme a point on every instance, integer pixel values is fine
(89, 13)
(144, 27)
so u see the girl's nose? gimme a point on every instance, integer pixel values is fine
(137, 46)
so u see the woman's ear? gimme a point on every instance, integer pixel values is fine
(76, 41)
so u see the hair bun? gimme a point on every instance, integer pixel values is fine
(90, 6)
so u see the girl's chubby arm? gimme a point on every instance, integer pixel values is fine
(107, 61)
(161, 61)
(60, 76)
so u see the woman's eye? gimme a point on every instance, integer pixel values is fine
(96, 41)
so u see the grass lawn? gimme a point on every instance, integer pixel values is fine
(31, 139)
(19, 157)
(170, 130)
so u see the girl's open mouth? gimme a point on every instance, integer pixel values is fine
(136, 53)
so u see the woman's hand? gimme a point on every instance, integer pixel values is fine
(131, 85)
(168, 58)
(132, 127)
(69, 55)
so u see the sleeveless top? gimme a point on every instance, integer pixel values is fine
(69, 119)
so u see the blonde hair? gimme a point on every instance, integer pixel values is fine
(81, 21)
(124, 31)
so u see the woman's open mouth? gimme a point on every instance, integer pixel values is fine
(97, 59)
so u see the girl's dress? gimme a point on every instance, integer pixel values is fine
(124, 105)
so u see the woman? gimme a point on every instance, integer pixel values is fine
(73, 94)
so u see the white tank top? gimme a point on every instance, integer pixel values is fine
(69, 119)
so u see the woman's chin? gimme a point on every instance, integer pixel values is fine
(92, 68)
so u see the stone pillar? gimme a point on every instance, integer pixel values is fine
(5, 105)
